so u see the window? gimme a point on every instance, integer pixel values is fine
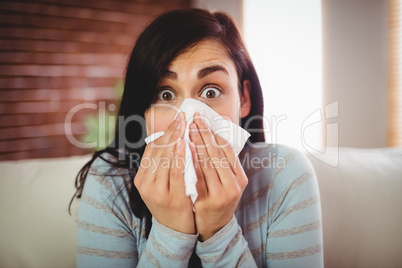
(395, 74)
(285, 43)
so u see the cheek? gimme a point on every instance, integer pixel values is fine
(229, 111)
(158, 119)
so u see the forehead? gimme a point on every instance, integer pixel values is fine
(205, 51)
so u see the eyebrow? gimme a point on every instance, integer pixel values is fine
(201, 73)
(170, 74)
(208, 70)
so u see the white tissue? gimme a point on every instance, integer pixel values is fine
(234, 134)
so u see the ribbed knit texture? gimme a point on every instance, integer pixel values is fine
(277, 222)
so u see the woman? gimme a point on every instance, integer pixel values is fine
(261, 209)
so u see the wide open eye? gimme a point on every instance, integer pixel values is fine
(166, 95)
(210, 92)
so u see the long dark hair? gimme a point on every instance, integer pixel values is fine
(164, 39)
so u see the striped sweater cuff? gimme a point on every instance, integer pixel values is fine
(226, 248)
(169, 246)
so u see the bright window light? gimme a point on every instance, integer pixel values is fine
(284, 41)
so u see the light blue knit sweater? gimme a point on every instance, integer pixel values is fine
(277, 222)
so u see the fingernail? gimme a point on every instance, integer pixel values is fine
(178, 126)
(193, 127)
(197, 116)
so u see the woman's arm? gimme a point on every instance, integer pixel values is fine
(227, 248)
(220, 185)
(109, 235)
(294, 237)
(160, 179)
(106, 235)
(160, 182)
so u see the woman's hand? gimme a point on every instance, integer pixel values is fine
(221, 179)
(160, 179)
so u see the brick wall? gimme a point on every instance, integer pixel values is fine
(57, 54)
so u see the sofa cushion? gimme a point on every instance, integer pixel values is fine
(36, 229)
(362, 207)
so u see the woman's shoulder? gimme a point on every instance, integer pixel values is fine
(282, 171)
(263, 149)
(105, 198)
(274, 160)
(105, 176)
(266, 154)
(108, 165)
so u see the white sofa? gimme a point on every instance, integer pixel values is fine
(35, 227)
(361, 203)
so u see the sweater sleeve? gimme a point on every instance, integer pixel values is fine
(294, 237)
(107, 233)
(167, 248)
(227, 248)
(289, 221)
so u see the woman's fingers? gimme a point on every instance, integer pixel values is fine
(176, 170)
(203, 158)
(158, 153)
(225, 187)
(156, 147)
(219, 160)
(172, 133)
(167, 154)
(161, 183)
(202, 188)
(233, 161)
(229, 153)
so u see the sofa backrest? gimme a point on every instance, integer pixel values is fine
(35, 227)
(361, 207)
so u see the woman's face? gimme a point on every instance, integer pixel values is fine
(204, 72)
